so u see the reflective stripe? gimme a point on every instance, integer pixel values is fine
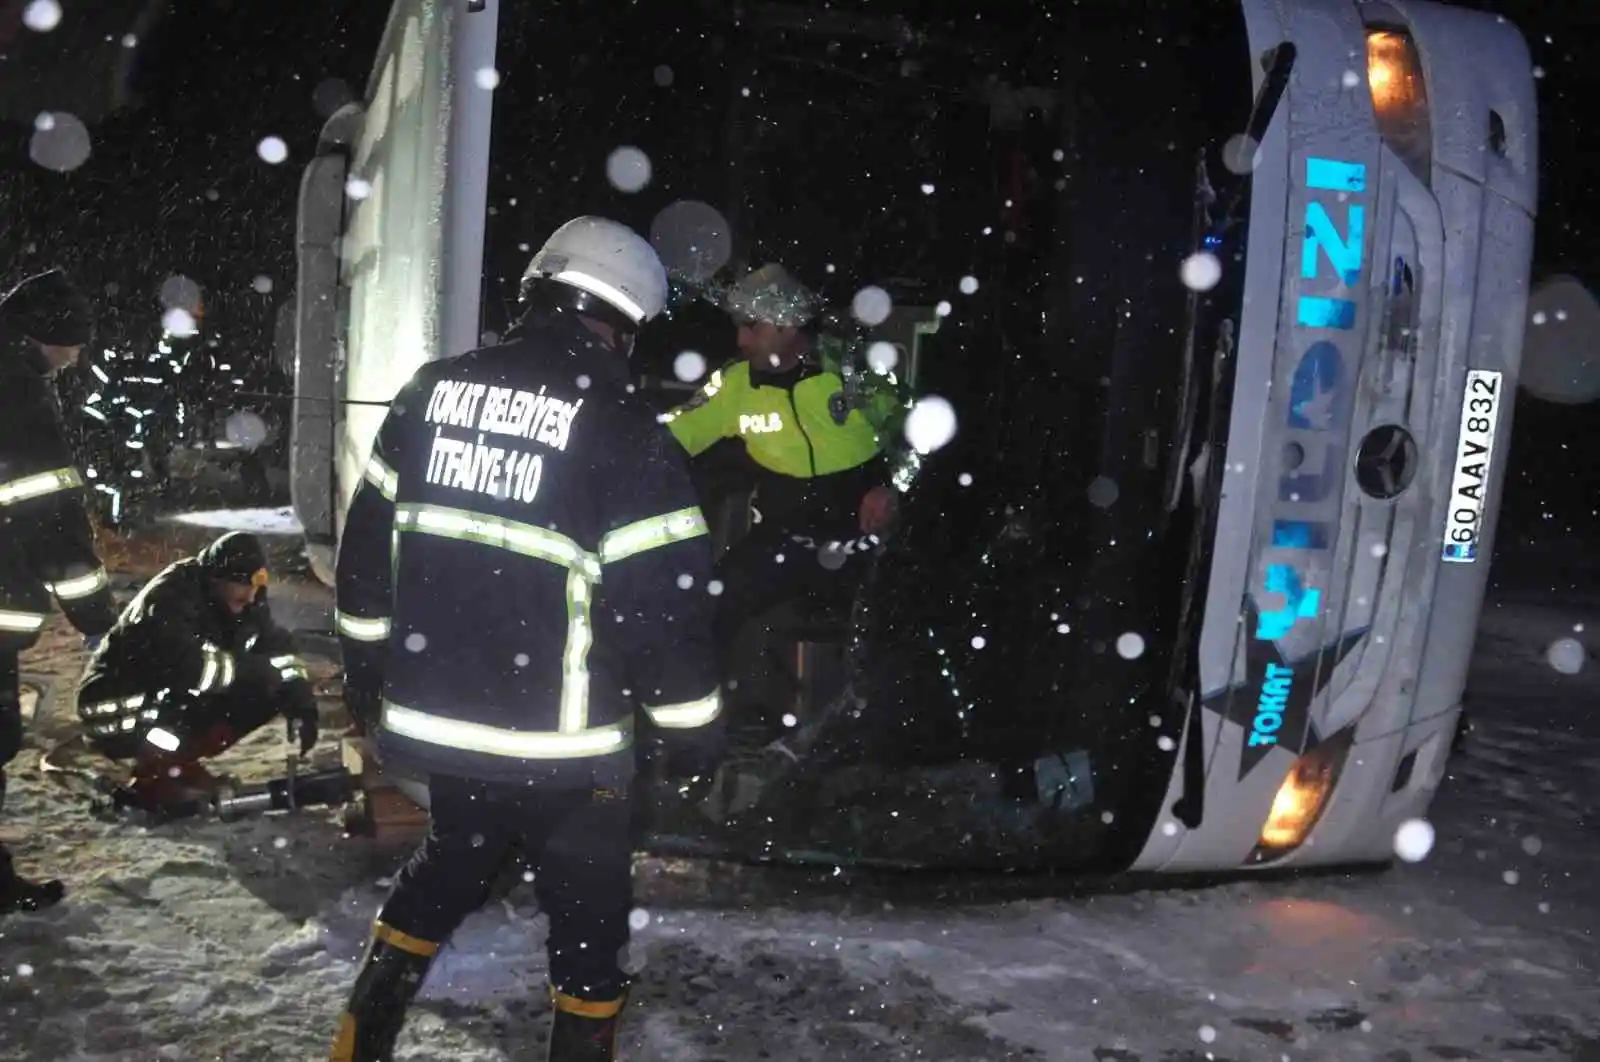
(124, 706)
(652, 533)
(609, 292)
(80, 585)
(380, 475)
(27, 622)
(575, 656)
(687, 715)
(526, 539)
(289, 667)
(216, 671)
(39, 484)
(362, 629)
(496, 741)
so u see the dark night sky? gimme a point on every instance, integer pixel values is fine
(176, 187)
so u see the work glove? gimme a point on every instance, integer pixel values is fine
(301, 715)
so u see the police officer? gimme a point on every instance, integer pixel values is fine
(815, 431)
(46, 542)
(524, 565)
(194, 665)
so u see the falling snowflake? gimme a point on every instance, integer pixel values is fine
(930, 424)
(638, 918)
(1201, 271)
(44, 121)
(272, 150)
(1241, 154)
(487, 78)
(714, 588)
(1378, 549)
(1351, 79)
(968, 285)
(628, 169)
(882, 357)
(60, 142)
(416, 641)
(1511, 877)
(358, 188)
(965, 479)
(280, 842)
(1532, 845)
(521, 660)
(978, 641)
(943, 308)
(1165, 744)
(872, 306)
(179, 322)
(663, 75)
(685, 581)
(1207, 1034)
(179, 292)
(42, 16)
(262, 285)
(1130, 646)
(927, 189)
(24, 970)
(1103, 492)
(790, 720)
(583, 382)
(689, 366)
(1169, 829)
(1414, 840)
(1566, 655)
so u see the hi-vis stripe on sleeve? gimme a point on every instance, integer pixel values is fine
(688, 715)
(216, 670)
(80, 586)
(652, 533)
(499, 741)
(380, 475)
(39, 484)
(289, 667)
(362, 629)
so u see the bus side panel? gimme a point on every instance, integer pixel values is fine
(466, 195)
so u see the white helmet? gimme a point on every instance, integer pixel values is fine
(606, 259)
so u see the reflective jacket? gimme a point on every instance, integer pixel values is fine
(174, 636)
(525, 564)
(46, 541)
(817, 432)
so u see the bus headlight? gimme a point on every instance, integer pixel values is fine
(1400, 98)
(1301, 798)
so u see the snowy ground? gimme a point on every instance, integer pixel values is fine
(207, 941)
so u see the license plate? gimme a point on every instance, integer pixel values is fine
(1480, 413)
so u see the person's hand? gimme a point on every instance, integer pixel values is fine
(878, 507)
(92, 642)
(303, 720)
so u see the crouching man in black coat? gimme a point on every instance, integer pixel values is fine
(194, 665)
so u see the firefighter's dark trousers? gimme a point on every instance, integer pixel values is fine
(773, 565)
(10, 736)
(577, 842)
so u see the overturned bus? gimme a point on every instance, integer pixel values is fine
(1228, 298)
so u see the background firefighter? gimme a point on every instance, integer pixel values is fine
(814, 427)
(551, 579)
(194, 664)
(46, 541)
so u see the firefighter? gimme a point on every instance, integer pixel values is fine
(816, 430)
(194, 665)
(551, 578)
(46, 541)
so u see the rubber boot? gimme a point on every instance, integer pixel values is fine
(390, 978)
(584, 1031)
